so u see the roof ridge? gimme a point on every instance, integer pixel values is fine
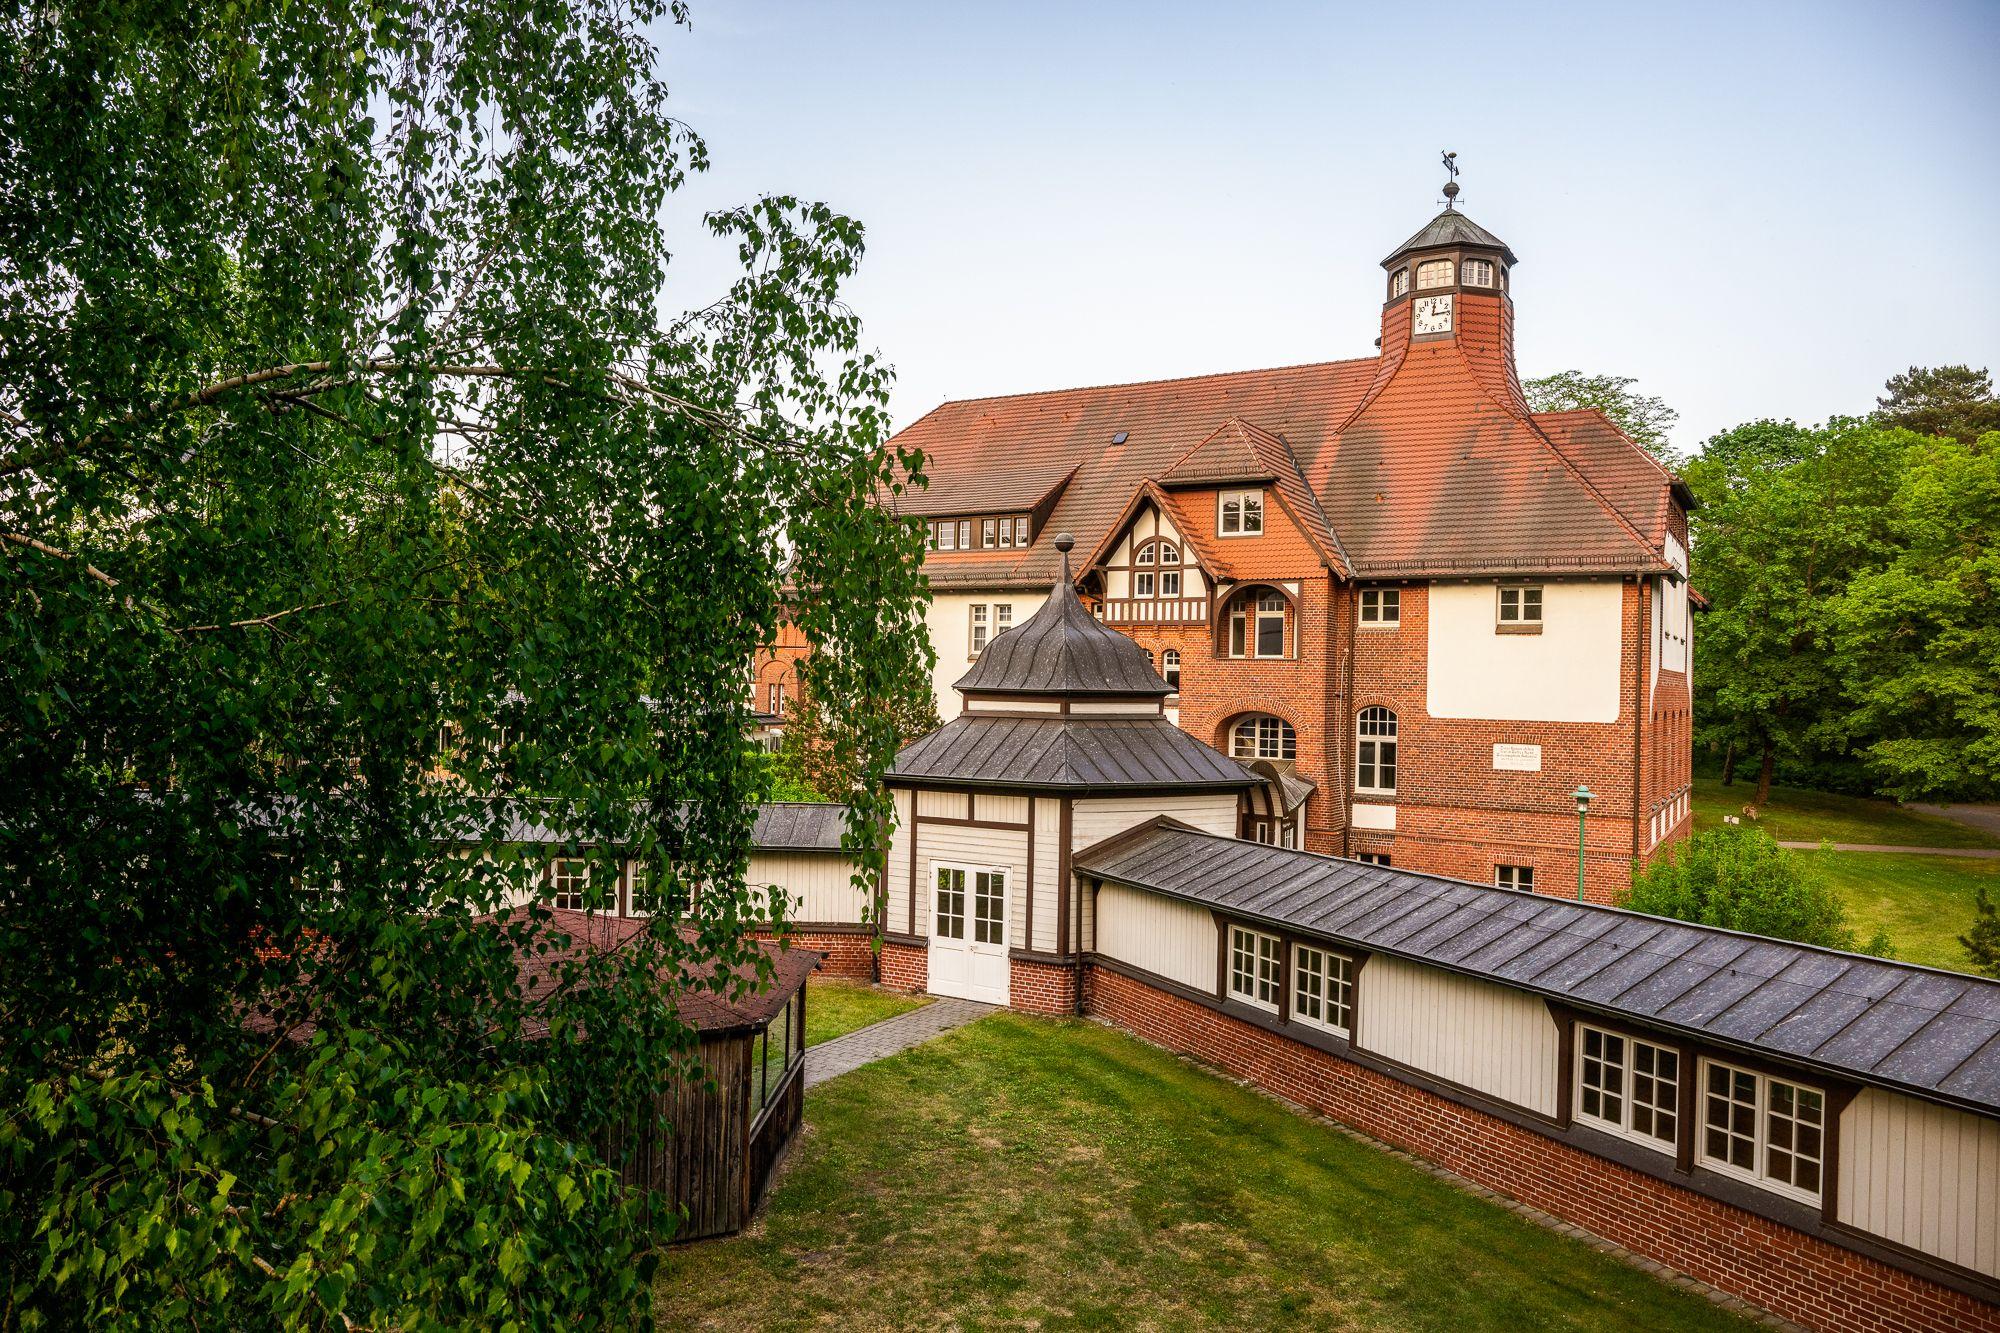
(1619, 430)
(1134, 384)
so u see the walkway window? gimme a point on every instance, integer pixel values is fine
(1375, 751)
(1261, 736)
(1629, 1087)
(1257, 624)
(1323, 988)
(1767, 1130)
(1253, 967)
(1170, 667)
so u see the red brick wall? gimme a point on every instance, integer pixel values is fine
(847, 954)
(1041, 988)
(1789, 1273)
(905, 967)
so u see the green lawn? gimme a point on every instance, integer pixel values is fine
(1030, 1173)
(1923, 902)
(1794, 814)
(835, 1006)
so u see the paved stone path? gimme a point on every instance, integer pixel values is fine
(865, 1045)
(1978, 853)
(1974, 814)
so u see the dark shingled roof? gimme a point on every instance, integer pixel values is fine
(1068, 753)
(1062, 649)
(798, 826)
(1451, 227)
(1932, 1033)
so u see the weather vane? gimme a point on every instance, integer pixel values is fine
(1451, 180)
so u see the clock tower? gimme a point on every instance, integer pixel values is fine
(1448, 284)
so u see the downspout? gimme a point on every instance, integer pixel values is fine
(1639, 707)
(1347, 707)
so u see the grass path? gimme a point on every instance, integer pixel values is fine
(1029, 1173)
(836, 1006)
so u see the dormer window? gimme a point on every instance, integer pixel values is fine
(1478, 273)
(1240, 513)
(1434, 273)
(1399, 282)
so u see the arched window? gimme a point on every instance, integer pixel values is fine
(1375, 751)
(1434, 273)
(1399, 282)
(1159, 570)
(1261, 736)
(1170, 667)
(1257, 624)
(1477, 272)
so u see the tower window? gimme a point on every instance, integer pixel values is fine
(1434, 273)
(1399, 281)
(1478, 273)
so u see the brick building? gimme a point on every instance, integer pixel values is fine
(1426, 612)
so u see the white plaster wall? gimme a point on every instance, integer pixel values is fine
(949, 621)
(1567, 673)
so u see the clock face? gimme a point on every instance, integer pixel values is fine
(1432, 314)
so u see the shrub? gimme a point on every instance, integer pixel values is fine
(1741, 879)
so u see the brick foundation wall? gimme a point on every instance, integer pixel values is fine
(1786, 1272)
(1041, 988)
(905, 967)
(848, 953)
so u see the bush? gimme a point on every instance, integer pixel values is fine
(1741, 879)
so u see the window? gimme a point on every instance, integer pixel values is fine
(1159, 570)
(1399, 282)
(569, 884)
(1375, 751)
(1477, 273)
(1765, 1129)
(1003, 617)
(1434, 273)
(947, 536)
(1257, 625)
(989, 531)
(1253, 967)
(1515, 877)
(1170, 583)
(775, 693)
(965, 534)
(1381, 606)
(1261, 736)
(1521, 608)
(950, 918)
(1006, 532)
(981, 628)
(1322, 988)
(1373, 858)
(1241, 513)
(640, 900)
(1629, 1087)
(989, 906)
(1142, 583)
(1170, 667)
(1020, 530)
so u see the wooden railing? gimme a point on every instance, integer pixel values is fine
(1156, 611)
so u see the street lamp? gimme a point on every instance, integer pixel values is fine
(1583, 798)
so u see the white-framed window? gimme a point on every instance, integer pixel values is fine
(1375, 751)
(1020, 530)
(1515, 877)
(947, 536)
(1434, 273)
(1629, 1087)
(1399, 282)
(1003, 618)
(948, 902)
(1006, 532)
(982, 628)
(965, 534)
(1477, 273)
(1323, 988)
(1170, 667)
(969, 902)
(1254, 973)
(1381, 606)
(639, 897)
(1257, 624)
(776, 691)
(1770, 1131)
(1521, 605)
(1373, 858)
(569, 883)
(1142, 583)
(1261, 736)
(989, 532)
(1240, 513)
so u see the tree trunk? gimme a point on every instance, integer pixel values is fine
(1729, 764)
(1764, 775)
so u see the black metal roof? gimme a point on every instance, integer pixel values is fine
(1068, 753)
(1063, 650)
(798, 826)
(1451, 227)
(781, 826)
(1933, 1033)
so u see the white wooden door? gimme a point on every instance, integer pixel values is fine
(968, 954)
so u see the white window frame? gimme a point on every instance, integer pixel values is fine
(989, 532)
(564, 883)
(1761, 1145)
(1520, 617)
(979, 629)
(1143, 584)
(638, 885)
(1433, 267)
(1265, 955)
(1248, 504)
(1391, 739)
(1286, 748)
(965, 534)
(1627, 1066)
(1335, 989)
(1248, 610)
(1399, 282)
(1518, 877)
(947, 535)
(1373, 859)
(1477, 273)
(1388, 607)
(1170, 668)
(1003, 618)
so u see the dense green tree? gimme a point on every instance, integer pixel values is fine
(1957, 401)
(816, 757)
(1643, 417)
(1741, 879)
(1917, 636)
(337, 413)
(1982, 942)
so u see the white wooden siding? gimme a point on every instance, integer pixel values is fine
(1006, 809)
(1497, 1041)
(898, 887)
(942, 804)
(1922, 1175)
(1096, 820)
(1048, 861)
(1173, 939)
(819, 885)
(1115, 708)
(979, 849)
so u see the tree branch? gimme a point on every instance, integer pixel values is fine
(22, 539)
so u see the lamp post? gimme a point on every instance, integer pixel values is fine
(1583, 798)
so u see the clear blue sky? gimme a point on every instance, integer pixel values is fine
(1755, 209)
